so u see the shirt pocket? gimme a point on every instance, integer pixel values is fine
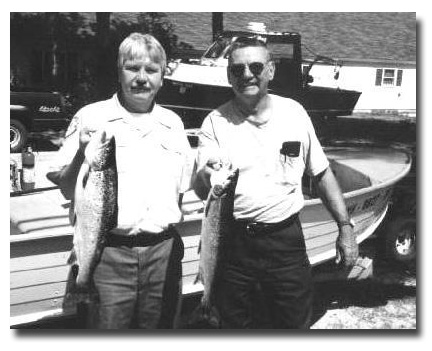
(290, 163)
(128, 155)
(171, 158)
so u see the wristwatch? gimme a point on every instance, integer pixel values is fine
(349, 222)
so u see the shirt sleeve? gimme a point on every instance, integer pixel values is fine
(189, 167)
(208, 146)
(69, 146)
(316, 160)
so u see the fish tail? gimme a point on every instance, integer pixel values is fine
(199, 246)
(77, 296)
(72, 260)
(83, 297)
(209, 312)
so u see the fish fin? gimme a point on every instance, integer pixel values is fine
(204, 316)
(72, 216)
(54, 177)
(72, 260)
(199, 277)
(85, 178)
(77, 295)
(207, 206)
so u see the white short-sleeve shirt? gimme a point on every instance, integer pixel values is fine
(153, 161)
(271, 157)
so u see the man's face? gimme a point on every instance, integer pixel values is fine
(140, 80)
(249, 72)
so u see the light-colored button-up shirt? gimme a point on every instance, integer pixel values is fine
(153, 161)
(269, 187)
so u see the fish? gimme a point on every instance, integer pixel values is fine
(95, 207)
(215, 228)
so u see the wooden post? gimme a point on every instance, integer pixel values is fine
(104, 70)
(217, 23)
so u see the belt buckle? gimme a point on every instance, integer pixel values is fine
(251, 229)
(134, 241)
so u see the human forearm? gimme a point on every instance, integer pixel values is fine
(331, 195)
(201, 184)
(214, 172)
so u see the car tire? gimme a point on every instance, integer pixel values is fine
(18, 136)
(400, 240)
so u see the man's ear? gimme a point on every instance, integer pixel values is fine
(271, 70)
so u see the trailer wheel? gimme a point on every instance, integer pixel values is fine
(18, 135)
(400, 240)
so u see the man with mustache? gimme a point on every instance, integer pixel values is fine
(137, 282)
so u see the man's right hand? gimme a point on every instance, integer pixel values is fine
(208, 176)
(84, 138)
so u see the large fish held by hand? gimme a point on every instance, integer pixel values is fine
(216, 226)
(95, 207)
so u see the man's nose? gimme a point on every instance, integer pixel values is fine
(141, 75)
(247, 72)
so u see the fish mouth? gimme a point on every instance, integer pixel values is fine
(104, 139)
(229, 183)
(99, 148)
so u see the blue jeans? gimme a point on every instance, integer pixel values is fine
(276, 265)
(138, 287)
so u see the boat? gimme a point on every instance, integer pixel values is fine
(41, 236)
(193, 87)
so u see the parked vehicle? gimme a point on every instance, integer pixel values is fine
(34, 111)
(400, 232)
(194, 87)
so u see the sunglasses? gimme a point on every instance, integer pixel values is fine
(238, 69)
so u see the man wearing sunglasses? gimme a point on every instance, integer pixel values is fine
(272, 142)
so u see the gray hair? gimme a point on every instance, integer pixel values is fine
(138, 44)
(248, 41)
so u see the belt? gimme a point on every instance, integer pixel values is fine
(142, 239)
(258, 228)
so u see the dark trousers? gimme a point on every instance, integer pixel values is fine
(277, 264)
(138, 287)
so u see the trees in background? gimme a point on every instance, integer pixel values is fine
(75, 53)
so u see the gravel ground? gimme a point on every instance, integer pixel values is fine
(386, 301)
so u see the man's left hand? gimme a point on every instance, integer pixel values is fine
(346, 246)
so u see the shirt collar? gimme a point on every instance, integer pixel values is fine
(160, 118)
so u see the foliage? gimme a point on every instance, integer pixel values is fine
(66, 31)
(35, 28)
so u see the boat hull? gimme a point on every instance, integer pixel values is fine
(194, 101)
(41, 237)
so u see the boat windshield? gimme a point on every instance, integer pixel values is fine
(221, 47)
(218, 48)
